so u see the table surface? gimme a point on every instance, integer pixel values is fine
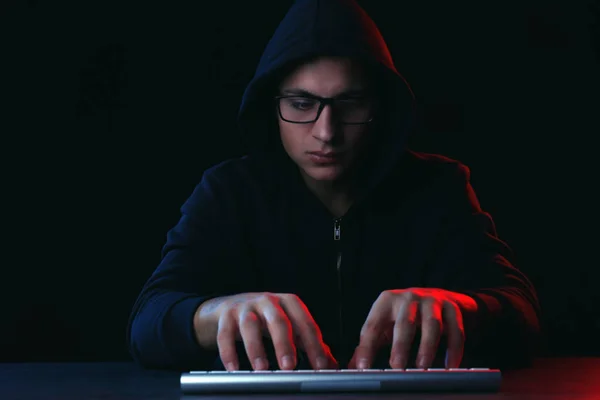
(549, 378)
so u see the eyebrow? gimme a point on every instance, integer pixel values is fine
(348, 92)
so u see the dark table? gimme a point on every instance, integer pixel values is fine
(549, 379)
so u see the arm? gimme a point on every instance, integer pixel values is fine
(472, 260)
(203, 258)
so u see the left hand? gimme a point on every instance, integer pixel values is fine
(394, 318)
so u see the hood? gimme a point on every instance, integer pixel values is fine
(328, 28)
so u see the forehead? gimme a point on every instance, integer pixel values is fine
(326, 76)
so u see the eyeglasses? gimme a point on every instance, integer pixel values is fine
(304, 109)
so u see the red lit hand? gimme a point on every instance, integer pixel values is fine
(395, 316)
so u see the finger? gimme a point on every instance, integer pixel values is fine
(331, 362)
(453, 322)
(404, 333)
(431, 330)
(251, 331)
(310, 335)
(383, 339)
(281, 332)
(226, 333)
(374, 328)
(352, 362)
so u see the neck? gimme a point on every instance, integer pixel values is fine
(335, 195)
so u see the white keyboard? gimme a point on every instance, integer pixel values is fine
(344, 380)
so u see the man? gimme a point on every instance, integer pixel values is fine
(331, 244)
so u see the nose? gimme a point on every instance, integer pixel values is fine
(324, 127)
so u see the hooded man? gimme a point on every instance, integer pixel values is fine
(331, 244)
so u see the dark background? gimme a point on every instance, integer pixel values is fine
(113, 109)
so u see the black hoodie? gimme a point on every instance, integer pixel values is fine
(252, 225)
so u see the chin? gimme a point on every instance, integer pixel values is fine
(324, 173)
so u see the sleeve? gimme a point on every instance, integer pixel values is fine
(472, 260)
(204, 257)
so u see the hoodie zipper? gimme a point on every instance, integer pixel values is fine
(337, 237)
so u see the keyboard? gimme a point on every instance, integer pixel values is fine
(344, 380)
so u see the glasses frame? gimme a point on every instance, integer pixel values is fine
(323, 101)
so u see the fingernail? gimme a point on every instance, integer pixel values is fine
(260, 363)
(421, 362)
(230, 366)
(363, 363)
(321, 362)
(287, 362)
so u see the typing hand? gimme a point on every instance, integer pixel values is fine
(395, 316)
(282, 317)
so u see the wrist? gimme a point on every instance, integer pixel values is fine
(206, 322)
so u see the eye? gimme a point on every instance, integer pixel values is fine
(301, 103)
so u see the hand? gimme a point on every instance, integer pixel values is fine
(395, 316)
(282, 317)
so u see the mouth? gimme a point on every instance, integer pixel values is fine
(319, 157)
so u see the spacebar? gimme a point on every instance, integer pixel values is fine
(336, 386)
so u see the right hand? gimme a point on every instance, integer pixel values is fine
(284, 318)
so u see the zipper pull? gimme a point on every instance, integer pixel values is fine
(337, 230)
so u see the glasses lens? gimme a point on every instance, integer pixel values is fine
(353, 111)
(305, 109)
(299, 109)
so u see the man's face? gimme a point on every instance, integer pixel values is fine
(340, 144)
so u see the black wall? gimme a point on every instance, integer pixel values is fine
(113, 109)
